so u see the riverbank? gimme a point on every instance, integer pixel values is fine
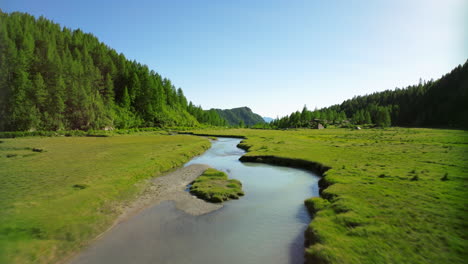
(164, 234)
(168, 187)
(56, 200)
(172, 187)
(392, 196)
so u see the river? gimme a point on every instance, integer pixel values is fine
(264, 226)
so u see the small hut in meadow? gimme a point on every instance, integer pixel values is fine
(316, 124)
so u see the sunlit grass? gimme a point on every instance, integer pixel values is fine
(53, 202)
(214, 186)
(396, 196)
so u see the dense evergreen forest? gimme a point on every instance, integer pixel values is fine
(240, 116)
(53, 78)
(442, 103)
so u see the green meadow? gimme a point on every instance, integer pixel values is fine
(394, 195)
(214, 186)
(59, 193)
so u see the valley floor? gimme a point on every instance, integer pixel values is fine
(393, 195)
(59, 193)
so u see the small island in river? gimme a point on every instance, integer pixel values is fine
(214, 186)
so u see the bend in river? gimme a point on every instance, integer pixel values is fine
(265, 226)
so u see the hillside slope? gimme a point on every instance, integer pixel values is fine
(54, 78)
(244, 115)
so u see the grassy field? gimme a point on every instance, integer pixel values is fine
(214, 186)
(391, 196)
(58, 193)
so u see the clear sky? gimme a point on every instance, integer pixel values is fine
(275, 56)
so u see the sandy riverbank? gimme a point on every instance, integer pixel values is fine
(171, 187)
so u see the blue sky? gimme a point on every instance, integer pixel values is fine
(275, 56)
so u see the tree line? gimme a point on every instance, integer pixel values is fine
(440, 103)
(308, 119)
(54, 78)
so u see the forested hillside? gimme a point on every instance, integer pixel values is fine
(54, 78)
(440, 103)
(207, 116)
(240, 116)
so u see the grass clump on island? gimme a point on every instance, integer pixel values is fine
(395, 195)
(54, 201)
(214, 186)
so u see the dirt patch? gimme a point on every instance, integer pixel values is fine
(172, 187)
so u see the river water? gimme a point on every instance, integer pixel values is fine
(264, 226)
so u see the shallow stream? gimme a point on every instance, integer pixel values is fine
(265, 226)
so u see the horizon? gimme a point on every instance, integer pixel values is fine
(275, 67)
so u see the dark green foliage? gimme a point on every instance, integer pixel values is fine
(440, 103)
(53, 78)
(309, 119)
(241, 116)
(210, 117)
(382, 117)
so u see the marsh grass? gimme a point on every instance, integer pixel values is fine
(386, 197)
(53, 202)
(214, 186)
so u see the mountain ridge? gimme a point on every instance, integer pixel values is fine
(240, 116)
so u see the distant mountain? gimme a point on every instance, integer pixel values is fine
(267, 119)
(235, 116)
